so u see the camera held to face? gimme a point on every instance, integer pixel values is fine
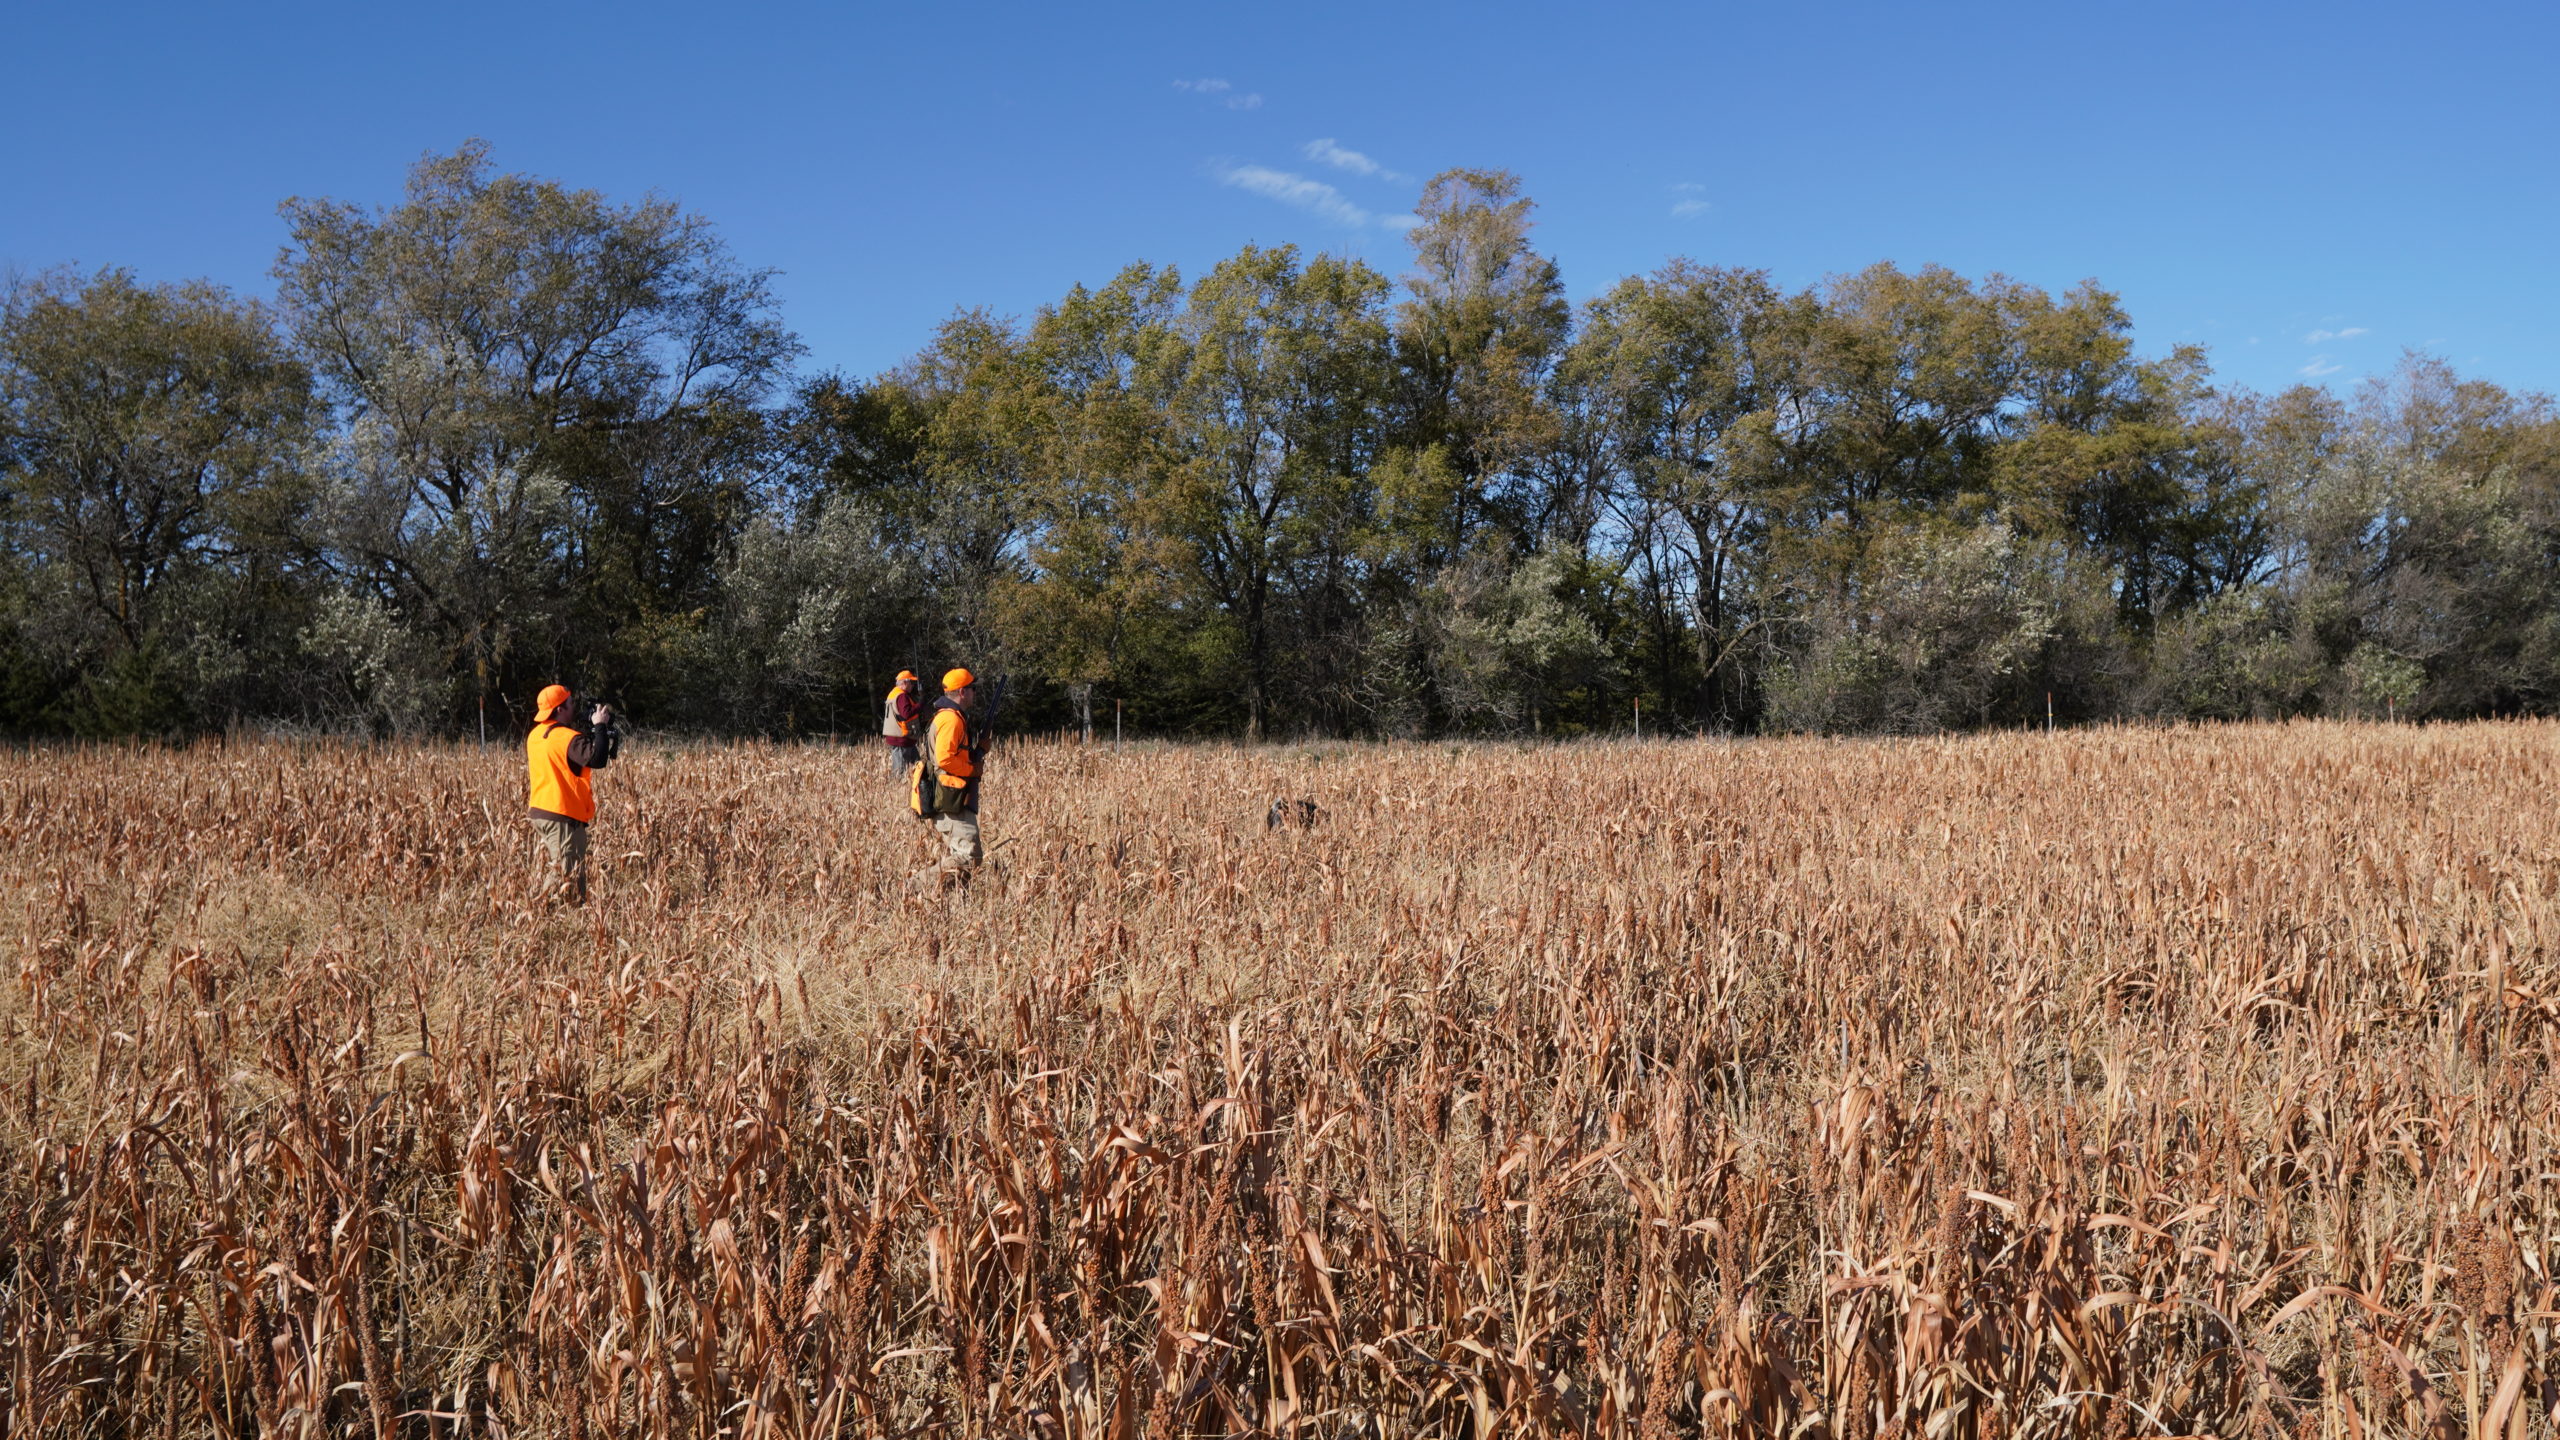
(581, 713)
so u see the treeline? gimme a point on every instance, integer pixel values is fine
(505, 432)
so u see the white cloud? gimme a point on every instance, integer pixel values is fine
(1306, 194)
(1295, 190)
(1692, 201)
(1224, 91)
(1327, 152)
(2323, 337)
(2318, 367)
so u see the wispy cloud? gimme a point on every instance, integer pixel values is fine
(2318, 367)
(2323, 337)
(1692, 201)
(1222, 91)
(1327, 152)
(1296, 190)
(1305, 194)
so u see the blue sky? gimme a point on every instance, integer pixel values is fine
(2305, 189)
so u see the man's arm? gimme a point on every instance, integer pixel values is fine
(589, 749)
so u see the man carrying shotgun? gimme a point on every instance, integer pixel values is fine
(945, 788)
(561, 756)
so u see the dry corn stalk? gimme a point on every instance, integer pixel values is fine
(2103, 1084)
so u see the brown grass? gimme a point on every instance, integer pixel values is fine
(2118, 1083)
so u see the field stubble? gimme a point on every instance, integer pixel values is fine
(2113, 1083)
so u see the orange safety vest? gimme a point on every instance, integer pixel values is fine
(553, 785)
(891, 727)
(947, 760)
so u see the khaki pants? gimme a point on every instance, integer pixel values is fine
(960, 836)
(560, 865)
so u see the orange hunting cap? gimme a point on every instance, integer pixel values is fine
(551, 698)
(906, 675)
(957, 678)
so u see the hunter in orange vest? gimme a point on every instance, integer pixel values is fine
(560, 761)
(900, 715)
(944, 789)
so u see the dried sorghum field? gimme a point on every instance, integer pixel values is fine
(2114, 1083)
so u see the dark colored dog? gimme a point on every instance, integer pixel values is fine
(1301, 814)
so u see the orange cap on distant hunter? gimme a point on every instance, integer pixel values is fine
(551, 698)
(957, 678)
(906, 675)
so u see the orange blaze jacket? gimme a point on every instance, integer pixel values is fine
(898, 717)
(559, 763)
(949, 765)
(957, 764)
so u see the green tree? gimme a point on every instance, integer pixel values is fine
(1273, 395)
(851, 492)
(1105, 565)
(1515, 646)
(1483, 320)
(1950, 628)
(984, 392)
(2133, 461)
(808, 627)
(539, 390)
(1686, 371)
(2436, 522)
(1906, 382)
(151, 453)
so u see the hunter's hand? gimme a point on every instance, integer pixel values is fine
(603, 715)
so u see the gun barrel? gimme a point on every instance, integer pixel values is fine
(986, 731)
